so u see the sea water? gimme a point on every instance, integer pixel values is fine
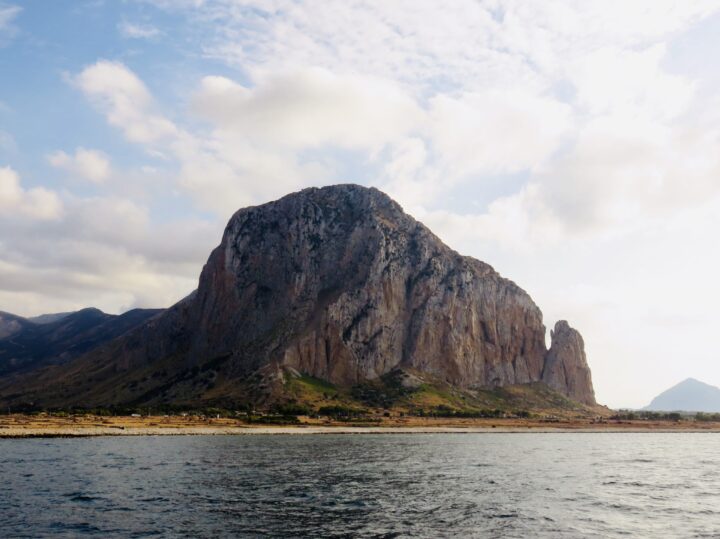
(388, 485)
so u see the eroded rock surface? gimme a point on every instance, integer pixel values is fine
(566, 369)
(341, 284)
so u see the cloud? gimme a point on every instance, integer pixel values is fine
(36, 203)
(622, 173)
(630, 83)
(258, 138)
(125, 100)
(8, 13)
(468, 46)
(309, 108)
(262, 138)
(497, 132)
(137, 31)
(105, 251)
(91, 165)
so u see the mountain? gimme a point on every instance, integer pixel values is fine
(48, 318)
(337, 284)
(11, 324)
(688, 396)
(70, 335)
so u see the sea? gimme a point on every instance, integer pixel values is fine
(515, 485)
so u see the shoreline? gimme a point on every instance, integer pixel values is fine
(19, 426)
(294, 431)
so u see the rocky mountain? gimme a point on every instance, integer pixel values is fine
(57, 339)
(566, 369)
(335, 283)
(688, 396)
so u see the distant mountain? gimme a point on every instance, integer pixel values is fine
(11, 324)
(29, 345)
(48, 318)
(337, 284)
(689, 396)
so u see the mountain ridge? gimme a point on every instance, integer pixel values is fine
(57, 339)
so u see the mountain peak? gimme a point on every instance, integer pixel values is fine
(690, 395)
(691, 380)
(89, 310)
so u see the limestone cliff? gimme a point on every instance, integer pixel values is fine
(341, 284)
(338, 283)
(566, 369)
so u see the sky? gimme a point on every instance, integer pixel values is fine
(572, 145)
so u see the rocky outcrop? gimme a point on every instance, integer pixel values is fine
(337, 283)
(566, 369)
(341, 284)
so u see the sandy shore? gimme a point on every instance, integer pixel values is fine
(20, 426)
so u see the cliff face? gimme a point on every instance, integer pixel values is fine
(566, 369)
(338, 283)
(341, 284)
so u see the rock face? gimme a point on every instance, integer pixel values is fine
(566, 369)
(340, 284)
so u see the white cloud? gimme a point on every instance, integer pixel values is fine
(469, 45)
(36, 203)
(125, 100)
(8, 13)
(309, 108)
(628, 82)
(621, 173)
(408, 175)
(497, 132)
(92, 165)
(137, 31)
(106, 252)
(254, 148)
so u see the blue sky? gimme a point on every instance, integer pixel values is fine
(572, 145)
(51, 42)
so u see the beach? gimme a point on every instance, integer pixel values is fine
(32, 426)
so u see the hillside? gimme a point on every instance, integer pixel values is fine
(57, 339)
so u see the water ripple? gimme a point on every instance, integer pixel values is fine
(486, 485)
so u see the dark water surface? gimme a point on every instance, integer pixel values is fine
(439, 485)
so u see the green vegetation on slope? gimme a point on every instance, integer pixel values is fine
(409, 393)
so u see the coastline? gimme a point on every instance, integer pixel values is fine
(18, 426)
